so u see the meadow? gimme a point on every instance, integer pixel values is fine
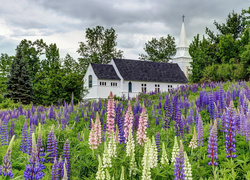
(193, 132)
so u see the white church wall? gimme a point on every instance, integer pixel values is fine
(150, 86)
(104, 87)
(92, 92)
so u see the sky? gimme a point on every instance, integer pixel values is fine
(136, 22)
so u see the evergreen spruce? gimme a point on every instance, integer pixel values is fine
(19, 85)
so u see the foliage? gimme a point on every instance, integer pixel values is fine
(5, 64)
(226, 49)
(99, 47)
(161, 50)
(19, 85)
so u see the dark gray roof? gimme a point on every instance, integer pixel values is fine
(104, 71)
(136, 70)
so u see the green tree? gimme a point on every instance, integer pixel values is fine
(99, 47)
(161, 50)
(19, 85)
(5, 64)
(71, 65)
(31, 52)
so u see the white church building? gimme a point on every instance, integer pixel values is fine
(126, 77)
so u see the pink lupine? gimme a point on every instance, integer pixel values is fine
(128, 121)
(98, 129)
(110, 115)
(95, 133)
(141, 132)
(93, 137)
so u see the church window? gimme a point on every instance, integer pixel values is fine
(157, 88)
(113, 83)
(102, 83)
(130, 87)
(143, 88)
(170, 87)
(90, 81)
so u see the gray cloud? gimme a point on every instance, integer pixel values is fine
(135, 22)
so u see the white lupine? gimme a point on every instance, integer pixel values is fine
(112, 147)
(100, 173)
(153, 157)
(193, 143)
(187, 167)
(130, 144)
(175, 150)
(107, 175)
(164, 157)
(106, 157)
(122, 174)
(132, 165)
(146, 174)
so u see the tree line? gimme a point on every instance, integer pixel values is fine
(37, 73)
(225, 54)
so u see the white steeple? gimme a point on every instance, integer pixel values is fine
(182, 56)
(182, 49)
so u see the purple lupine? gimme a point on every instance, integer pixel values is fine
(179, 171)
(212, 145)
(51, 145)
(29, 142)
(230, 131)
(33, 169)
(66, 155)
(200, 131)
(6, 168)
(4, 130)
(12, 130)
(24, 137)
(40, 149)
(158, 143)
(55, 148)
(55, 171)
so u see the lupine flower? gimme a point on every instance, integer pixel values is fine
(141, 132)
(179, 171)
(175, 150)
(132, 165)
(55, 171)
(55, 148)
(6, 168)
(65, 173)
(80, 136)
(110, 115)
(128, 121)
(40, 149)
(187, 167)
(24, 138)
(164, 157)
(29, 143)
(12, 130)
(130, 146)
(158, 143)
(230, 131)
(122, 174)
(212, 145)
(100, 175)
(193, 142)
(107, 175)
(153, 156)
(51, 145)
(4, 130)
(66, 156)
(33, 170)
(106, 157)
(146, 173)
(200, 131)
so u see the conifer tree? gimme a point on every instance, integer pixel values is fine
(19, 85)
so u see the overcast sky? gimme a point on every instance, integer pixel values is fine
(135, 21)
